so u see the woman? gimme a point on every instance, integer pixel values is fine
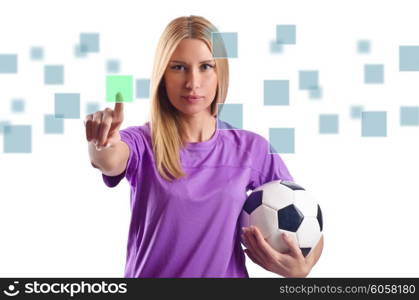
(189, 179)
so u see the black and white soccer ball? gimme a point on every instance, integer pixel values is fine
(284, 206)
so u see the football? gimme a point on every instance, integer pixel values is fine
(284, 206)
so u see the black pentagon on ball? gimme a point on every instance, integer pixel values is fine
(292, 185)
(290, 218)
(320, 217)
(253, 201)
(305, 251)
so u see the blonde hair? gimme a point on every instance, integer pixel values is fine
(165, 125)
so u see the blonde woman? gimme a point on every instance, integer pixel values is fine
(189, 179)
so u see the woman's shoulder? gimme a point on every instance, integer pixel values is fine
(137, 132)
(240, 137)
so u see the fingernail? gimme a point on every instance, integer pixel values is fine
(107, 145)
(98, 148)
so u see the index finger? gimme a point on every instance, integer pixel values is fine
(119, 109)
(119, 106)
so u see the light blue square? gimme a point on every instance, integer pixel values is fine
(67, 106)
(374, 124)
(328, 123)
(89, 42)
(224, 44)
(92, 107)
(363, 46)
(8, 63)
(3, 125)
(53, 125)
(308, 80)
(37, 53)
(79, 51)
(112, 66)
(275, 47)
(18, 105)
(316, 93)
(374, 73)
(17, 139)
(276, 92)
(409, 115)
(142, 88)
(285, 34)
(356, 111)
(231, 113)
(282, 140)
(54, 74)
(408, 58)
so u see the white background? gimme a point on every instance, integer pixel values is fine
(57, 218)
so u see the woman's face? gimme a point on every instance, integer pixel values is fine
(191, 72)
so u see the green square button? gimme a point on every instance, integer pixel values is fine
(119, 84)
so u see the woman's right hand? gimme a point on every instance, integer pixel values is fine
(102, 127)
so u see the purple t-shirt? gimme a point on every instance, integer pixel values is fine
(189, 227)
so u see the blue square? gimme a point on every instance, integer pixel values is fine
(282, 140)
(275, 47)
(316, 93)
(37, 53)
(92, 107)
(231, 113)
(80, 51)
(276, 92)
(224, 44)
(18, 105)
(328, 123)
(374, 124)
(308, 80)
(408, 58)
(142, 88)
(67, 106)
(363, 46)
(17, 139)
(89, 42)
(409, 115)
(356, 111)
(285, 34)
(54, 74)
(3, 125)
(8, 63)
(374, 73)
(112, 66)
(53, 125)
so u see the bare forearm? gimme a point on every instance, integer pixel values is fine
(106, 158)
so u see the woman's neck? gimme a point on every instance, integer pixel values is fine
(198, 128)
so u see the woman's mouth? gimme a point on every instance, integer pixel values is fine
(193, 99)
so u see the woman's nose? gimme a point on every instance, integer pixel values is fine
(193, 79)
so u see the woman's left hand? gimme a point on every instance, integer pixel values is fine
(290, 264)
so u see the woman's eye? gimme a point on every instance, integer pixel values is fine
(209, 66)
(177, 67)
(181, 67)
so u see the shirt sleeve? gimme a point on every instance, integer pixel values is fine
(134, 139)
(266, 165)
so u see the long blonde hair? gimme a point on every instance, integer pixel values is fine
(164, 119)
